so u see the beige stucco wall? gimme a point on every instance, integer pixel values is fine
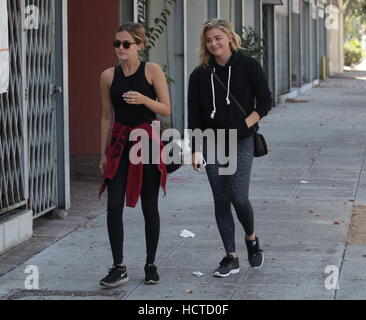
(335, 40)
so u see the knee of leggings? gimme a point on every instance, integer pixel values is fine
(114, 209)
(240, 200)
(150, 212)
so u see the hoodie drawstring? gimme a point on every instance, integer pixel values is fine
(213, 95)
(228, 102)
(228, 88)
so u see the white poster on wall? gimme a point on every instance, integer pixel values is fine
(296, 6)
(321, 13)
(314, 12)
(4, 48)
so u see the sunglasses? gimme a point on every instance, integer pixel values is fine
(126, 44)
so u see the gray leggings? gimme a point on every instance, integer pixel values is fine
(233, 189)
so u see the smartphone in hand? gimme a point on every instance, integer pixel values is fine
(204, 164)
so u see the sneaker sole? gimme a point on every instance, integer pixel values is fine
(219, 275)
(259, 267)
(151, 282)
(113, 285)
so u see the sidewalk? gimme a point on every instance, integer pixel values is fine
(303, 196)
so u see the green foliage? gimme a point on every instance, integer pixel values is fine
(252, 43)
(355, 18)
(353, 52)
(355, 8)
(160, 24)
(156, 30)
(166, 71)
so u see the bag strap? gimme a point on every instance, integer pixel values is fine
(234, 99)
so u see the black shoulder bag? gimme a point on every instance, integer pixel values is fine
(260, 145)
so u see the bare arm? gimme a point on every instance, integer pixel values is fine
(107, 114)
(161, 106)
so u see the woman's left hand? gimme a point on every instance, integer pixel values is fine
(134, 97)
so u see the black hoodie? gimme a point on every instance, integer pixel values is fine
(209, 104)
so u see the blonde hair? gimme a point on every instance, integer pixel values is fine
(136, 30)
(226, 27)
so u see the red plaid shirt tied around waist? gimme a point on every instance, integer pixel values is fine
(120, 138)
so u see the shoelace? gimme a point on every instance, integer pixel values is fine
(113, 270)
(255, 250)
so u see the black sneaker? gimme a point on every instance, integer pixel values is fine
(151, 274)
(116, 276)
(228, 266)
(255, 255)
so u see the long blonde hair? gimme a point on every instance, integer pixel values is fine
(226, 27)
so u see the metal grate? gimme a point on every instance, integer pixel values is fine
(282, 56)
(314, 55)
(40, 57)
(321, 43)
(142, 11)
(31, 88)
(12, 194)
(265, 41)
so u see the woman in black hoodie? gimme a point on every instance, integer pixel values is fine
(211, 106)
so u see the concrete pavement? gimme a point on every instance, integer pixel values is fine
(303, 195)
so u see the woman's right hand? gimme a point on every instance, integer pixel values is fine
(197, 161)
(103, 163)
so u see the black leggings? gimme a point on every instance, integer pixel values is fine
(149, 203)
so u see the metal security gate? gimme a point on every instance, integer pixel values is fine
(282, 48)
(12, 130)
(322, 40)
(175, 53)
(28, 166)
(42, 146)
(314, 42)
(305, 49)
(295, 44)
(268, 40)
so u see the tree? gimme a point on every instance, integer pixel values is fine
(355, 18)
(252, 43)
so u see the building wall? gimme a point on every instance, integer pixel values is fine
(335, 40)
(197, 12)
(295, 44)
(92, 24)
(282, 57)
(158, 54)
(225, 9)
(249, 16)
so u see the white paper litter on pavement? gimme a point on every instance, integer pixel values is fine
(187, 234)
(198, 274)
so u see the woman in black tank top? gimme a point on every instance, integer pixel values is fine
(133, 93)
(124, 112)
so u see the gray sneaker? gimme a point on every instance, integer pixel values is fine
(228, 266)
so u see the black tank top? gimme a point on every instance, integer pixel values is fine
(132, 115)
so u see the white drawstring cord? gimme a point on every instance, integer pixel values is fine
(213, 95)
(228, 88)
